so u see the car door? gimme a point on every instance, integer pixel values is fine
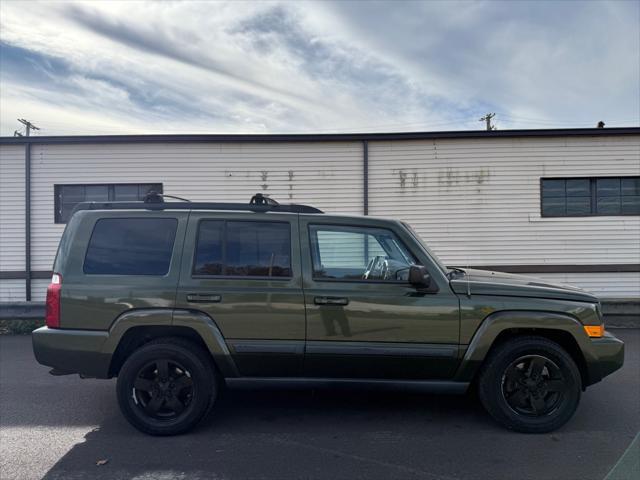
(244, 272)
(367, 321)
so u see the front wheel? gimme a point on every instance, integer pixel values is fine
(166, 386)
(530, 384)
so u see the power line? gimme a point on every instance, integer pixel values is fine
(554, 121)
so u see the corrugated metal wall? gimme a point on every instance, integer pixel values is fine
(604, 285)
(328, 175)
(475, 201)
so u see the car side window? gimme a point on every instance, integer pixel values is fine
(243, 249)
(131, 246)
(209, 250)
(358, 253)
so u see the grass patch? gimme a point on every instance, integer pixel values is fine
(19, 327)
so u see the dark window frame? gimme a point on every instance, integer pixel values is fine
(225, 276)
(111, 187)
(593, 196)
(172, 251)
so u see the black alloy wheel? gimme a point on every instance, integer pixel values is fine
(533, 385)
(167, 386)
(163, 388)
(530, 384)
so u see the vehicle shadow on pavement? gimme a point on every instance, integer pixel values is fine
(282, 434)
(329, 434)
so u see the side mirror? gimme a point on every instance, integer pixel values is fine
(419, 276)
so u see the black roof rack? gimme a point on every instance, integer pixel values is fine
(155, 201)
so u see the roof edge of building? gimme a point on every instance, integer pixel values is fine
(319, 137)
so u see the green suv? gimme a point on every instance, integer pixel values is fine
(180, 299)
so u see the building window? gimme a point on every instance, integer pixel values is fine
(131, 246)
(575, 197)
(68, 196)
(243, 249)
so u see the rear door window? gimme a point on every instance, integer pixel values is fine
(243, 249)
(209, 251)
(131, 246)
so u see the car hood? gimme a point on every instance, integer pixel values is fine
(486, 282)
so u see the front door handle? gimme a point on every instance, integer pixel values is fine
(331, 301)
(203, 298)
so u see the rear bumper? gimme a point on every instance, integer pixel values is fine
(72, 351)
(608, 356)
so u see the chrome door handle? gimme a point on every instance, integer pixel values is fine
(331, 301)
(203, 298)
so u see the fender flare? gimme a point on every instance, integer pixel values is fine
(137, 317)
(211, 335)
(201, 323)
(496, 323)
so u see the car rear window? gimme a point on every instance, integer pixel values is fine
(131, 246)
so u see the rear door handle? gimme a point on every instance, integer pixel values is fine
(331, 301)
(203, 298)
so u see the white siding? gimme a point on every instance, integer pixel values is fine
(39, 289)
(11, 207)
(12, 219)
(12, 291)
(326, 175)
(477, 201)
(604, 285)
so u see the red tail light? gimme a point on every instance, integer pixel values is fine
(52, 315)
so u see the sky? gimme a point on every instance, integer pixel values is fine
(124, 67)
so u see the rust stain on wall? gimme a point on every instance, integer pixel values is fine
(403, 178)
(450, 177)
(408, 179)
(290, 184)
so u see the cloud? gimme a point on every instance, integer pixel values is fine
(156, 40)
(106, 67)
(561, 61)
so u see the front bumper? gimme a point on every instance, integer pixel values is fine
(72, 351)
(607, 356)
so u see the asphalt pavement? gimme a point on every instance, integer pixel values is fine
(69, 428)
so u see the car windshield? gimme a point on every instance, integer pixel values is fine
(430, 252)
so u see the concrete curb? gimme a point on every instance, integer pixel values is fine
(621, 313)
(622, 322)
(21, 310)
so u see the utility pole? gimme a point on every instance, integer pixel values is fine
(28, 126)
(487, 118)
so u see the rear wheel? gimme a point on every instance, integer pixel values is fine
(166, 386)
(530, 384)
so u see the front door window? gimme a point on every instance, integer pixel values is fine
(358, 254)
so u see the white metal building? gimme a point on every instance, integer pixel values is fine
(563, 205)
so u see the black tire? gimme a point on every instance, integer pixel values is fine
(167, 386)
(524, 396)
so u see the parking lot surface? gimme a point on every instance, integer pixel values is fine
(64, 427)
